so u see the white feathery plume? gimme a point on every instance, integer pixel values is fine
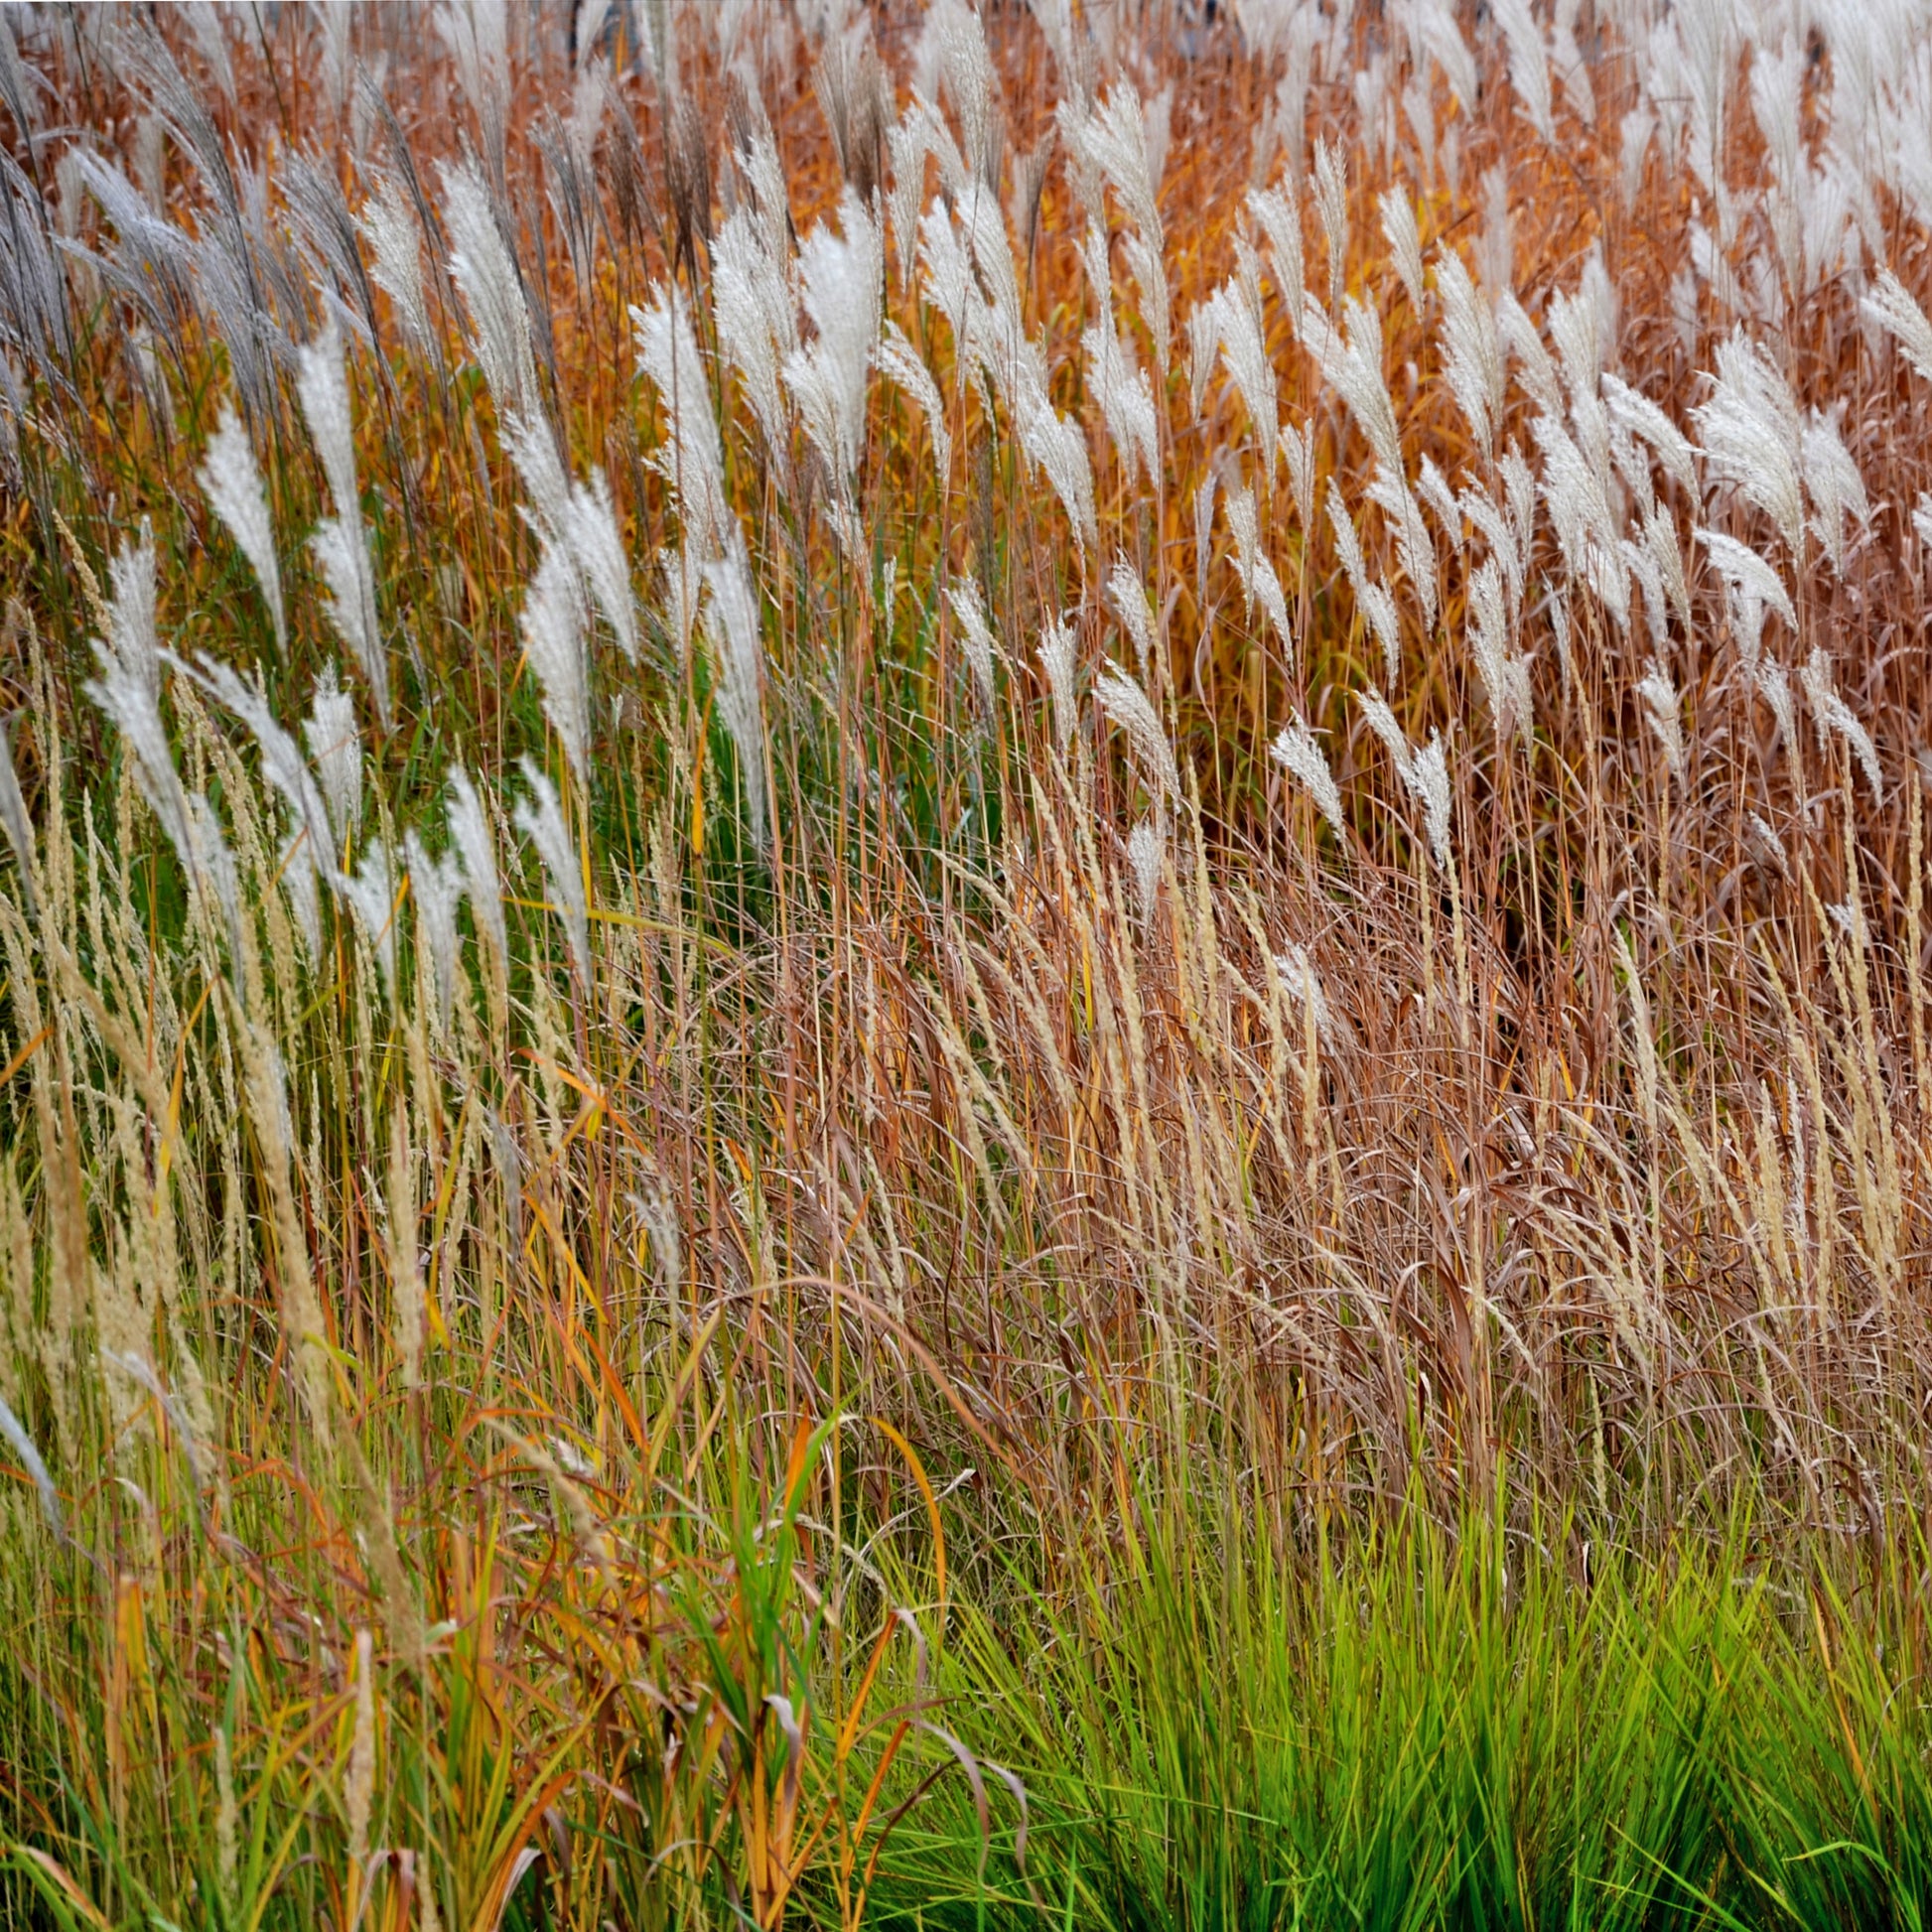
(1751, 436)
(1302, 987)
(1660, 539)
(1382, 721)
(1132, 712)
(1663, 711)
(13, 815)
(733, 629)
(283, 765)
(475, 845)
(1128, 596)
(1430, 784)
(295, 865)
(895, 356)
(1150, 272)
(1830, 713)
(1371, 598)
(371, 892)
(1471, 354)
(1297, 751)
(1538, 370)
(553, 645)
(1354, 367)
(1775, 686)
(1331, 207)
(908, 147)
(1529, 65)
(691, 462)
(843, 276)
(476, 34)
(336, 747)
(1298, 452)
(976, 634)
(966, 66)
(597, 549)
(1279, 220)
(1891, 305)
(1389, 492)
(1244, 348)
(340, 542)
(232, 483)
(133, 632)
(1259, 582)
(1832, 484)
(1058, 657)
(1203, 342)
(1505, 673)
(1405, 242)
(1922, 518)
(436, 884)
(389, 225)
(1115, 135)
(1518, 493)
(1119, 383)
(1146, 847)
(1497, 528)
(1431, 486)
(540, 818)
(1586, 528)
(532, 451)
(1638, 416)
(1742, 567)
(758, 326)
(1056, 446)
(484, 271)
(949, 284)
(681, 574)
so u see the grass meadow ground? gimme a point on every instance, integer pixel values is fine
(965, 968)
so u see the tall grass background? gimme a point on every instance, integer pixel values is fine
(963, 966)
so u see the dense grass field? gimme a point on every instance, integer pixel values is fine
(965, 968)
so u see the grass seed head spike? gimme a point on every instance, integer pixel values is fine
(1297, 751)
(540, 818)
(232, 483)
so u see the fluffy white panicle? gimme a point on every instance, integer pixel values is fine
(476, 34)
(13, 815)
(1830, 713)
(902, 363)
(132, 629)
(1529, 65)
(283, 765)
(1298, 452)
(1116, 137)
(1405, 242)
(1146, 847)
(1331, 209)
(532, 451)
(1236, 311)
(1132, 713)
(1891, 306)
(436, 884)
(1119, 383)
(1537, 366)
(1389, 492)
(690, 462)
(1148, 266)
(388, 224)
(1636, 414)
(371, 893)
(1059, 447)
(541, 817)
(974, 634)
(340, 542)
(1058, 660)
(484, 271)
(1922, 518)
(1746, 571)
(1299, 752)
(843, 276)
(1663, 711)
(336, 747)
(732, 630)
(1751, 436)
(1354, 363)
(1302, 986)
(1259, 582)
(1128, 596)
(1377, 716)
(1505, 673)
(553, 645)
(232, 483)
(597, 549)
(758, 326)
(1279, 218)
(295, 865)
(1472, 354)
(1371, 598)
(948, 282)
(475, 845)
(1430, 784)
(1832, 484)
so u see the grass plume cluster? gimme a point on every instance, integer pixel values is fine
(964, 965)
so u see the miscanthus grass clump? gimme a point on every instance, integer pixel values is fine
(964, 963)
